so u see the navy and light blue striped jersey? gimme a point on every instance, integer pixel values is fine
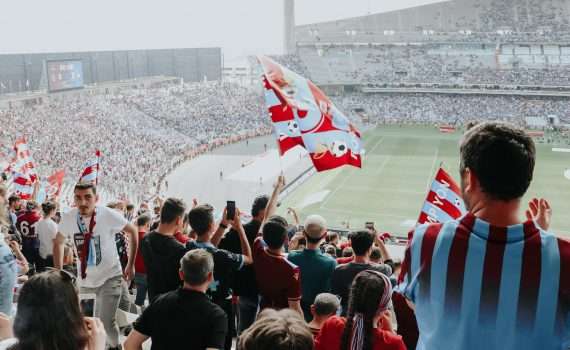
(476, 286)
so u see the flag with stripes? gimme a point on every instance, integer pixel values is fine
(22, 185)
(444, 201)
(22, 161)
(302, 115)
(91, 169)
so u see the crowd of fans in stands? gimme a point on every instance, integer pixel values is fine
(268, 284)
(135, 130)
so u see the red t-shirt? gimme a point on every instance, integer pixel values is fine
(345, 260)
(330, 337)
(26, 224)
(277, 278)
(139, 262)
(181, 238)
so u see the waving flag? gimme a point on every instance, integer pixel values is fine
(91, 169)
(23, 162)
(22, 186)
(444, 201)
(302, 115)
(54, 184)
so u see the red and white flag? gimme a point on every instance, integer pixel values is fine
(444, 201)
(22, 186)
(91, 169)
(54, 184)
(302, 115)
(23, 162)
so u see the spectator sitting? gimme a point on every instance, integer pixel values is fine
(162, 252)
(184, 318)
(316, 268)
(325, 306)
(48, 296)
(368, 324)
(277, 330)
(362, 242)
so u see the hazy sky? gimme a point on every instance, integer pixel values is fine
(239, 26)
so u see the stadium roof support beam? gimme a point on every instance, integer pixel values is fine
(289, 27)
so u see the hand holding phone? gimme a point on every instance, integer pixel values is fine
(230, 210)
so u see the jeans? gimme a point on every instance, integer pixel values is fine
(248, 308)
(106, 305)
(8, 276)
(141, 284)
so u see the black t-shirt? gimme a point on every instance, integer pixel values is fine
(343, 276)
(243, 282)
(183, 319)
(225, 264)
(161, 255)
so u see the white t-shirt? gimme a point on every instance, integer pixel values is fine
(46, 229)
(103, 262)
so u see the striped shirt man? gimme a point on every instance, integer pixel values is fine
(477, 286)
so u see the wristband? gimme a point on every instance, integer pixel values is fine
(223, 226)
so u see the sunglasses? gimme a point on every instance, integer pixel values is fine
(65, 275)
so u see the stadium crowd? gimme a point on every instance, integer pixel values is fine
(135, 130)
(432, 64)
(202, 284)
(460, 109)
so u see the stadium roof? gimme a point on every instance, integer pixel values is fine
(456, 15)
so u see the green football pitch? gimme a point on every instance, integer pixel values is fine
(398, 168)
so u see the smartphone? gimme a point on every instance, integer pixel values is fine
(230, 210)
(369, 225)
(88, 304)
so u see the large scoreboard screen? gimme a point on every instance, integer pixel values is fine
(64, 75)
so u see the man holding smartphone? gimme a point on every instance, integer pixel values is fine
(225, 263)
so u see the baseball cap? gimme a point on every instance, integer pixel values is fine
(314, 226)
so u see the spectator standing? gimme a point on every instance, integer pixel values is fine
(316, 268)
(362, 242)
(26, 224)
(162, 252)
(47, 232)
(184, 318)
(491, 281)
(326, 305)
(143, 225)
(368, 322)
(201, 220)
(244, 284)
(92, 229)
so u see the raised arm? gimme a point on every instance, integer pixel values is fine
(131, 230)
(244, 243)
(58, 244)
(272, 204)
